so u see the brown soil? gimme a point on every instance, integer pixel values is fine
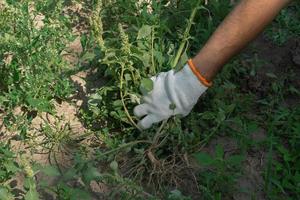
(282, 61)
(275, 63)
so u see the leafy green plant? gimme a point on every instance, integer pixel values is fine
(216, 176)
(286, 25)
(282, 174)
(8, 169)
(32, 67)
(131, 47)
(8, 165)
(127, 42)
(177, 195)
(139, 51)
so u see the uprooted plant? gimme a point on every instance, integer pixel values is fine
(134, 44)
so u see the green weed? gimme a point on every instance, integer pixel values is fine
(128, 43)
(32, 68)
(286, 25)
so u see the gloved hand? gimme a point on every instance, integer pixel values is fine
(174, 93)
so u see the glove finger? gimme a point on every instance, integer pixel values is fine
(148, 121)
(141, 110)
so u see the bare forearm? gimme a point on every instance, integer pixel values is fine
(241, 26)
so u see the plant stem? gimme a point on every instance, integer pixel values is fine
(123, 102)
(152, 51)
(186, 35)
(269, 164)
(125, 146)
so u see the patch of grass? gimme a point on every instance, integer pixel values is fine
(282, 174)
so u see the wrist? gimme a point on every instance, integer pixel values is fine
(197, 73)
(205, 66)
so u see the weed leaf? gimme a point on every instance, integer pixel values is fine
(32, 194)
(204, 159)
(144, 32)
(88, 56)
(50, 171)
(146, 85)
(80, 194)
(235, 159)
(91, 173)
(219, 151)
(71, 173)
(11, 167)
(5, 195)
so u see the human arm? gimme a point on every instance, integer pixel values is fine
(241, 26)
(182, 89)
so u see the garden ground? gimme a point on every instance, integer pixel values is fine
(248, 149)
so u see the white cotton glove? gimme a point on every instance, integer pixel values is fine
(179, 90)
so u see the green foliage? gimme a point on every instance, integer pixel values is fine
(217, 175)
(286, 25)
(129, 43)
(31, 65)
(66, 192)
(8, 166)
(130, 59)
(177, 195)
(50, 171)
(5, 194)
(146, 86)
(32, 194)
(8, 169)
(282, 174)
